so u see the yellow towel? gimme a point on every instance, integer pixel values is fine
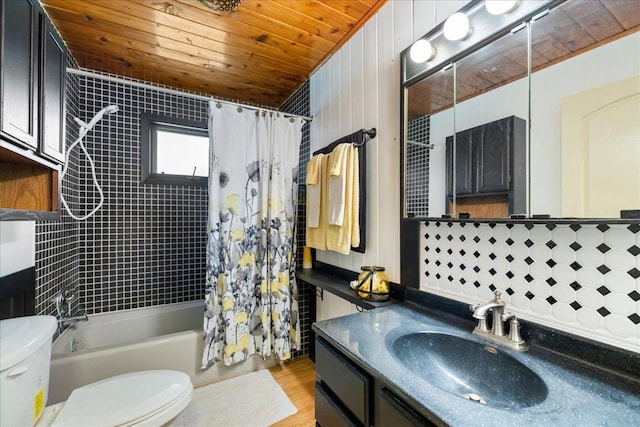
(338, 160)
(317, 236)
(314, 189)
(341, 238)
(355, 201)
(337, 183)
(313, 169)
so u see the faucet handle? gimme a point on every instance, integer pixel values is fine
(507, 315)
(497, 296)
(514, 330)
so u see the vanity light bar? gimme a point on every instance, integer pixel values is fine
(483, 28)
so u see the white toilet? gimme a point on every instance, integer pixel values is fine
(145, 398)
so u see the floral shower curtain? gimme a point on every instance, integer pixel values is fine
(251, 296)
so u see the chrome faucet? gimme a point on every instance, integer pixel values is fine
(63, 307)
(497, 332)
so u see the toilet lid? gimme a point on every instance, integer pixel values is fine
(123, 399)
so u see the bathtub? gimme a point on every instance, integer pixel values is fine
(161, 337)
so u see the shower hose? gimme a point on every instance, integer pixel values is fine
(84, 129)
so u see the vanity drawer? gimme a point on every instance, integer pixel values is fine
(328, 412)
(394, 412)
(349, 383)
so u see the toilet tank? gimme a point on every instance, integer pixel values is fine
(25, 357)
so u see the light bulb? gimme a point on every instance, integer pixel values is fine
(500, 7)
(457, 26)
(421, 51)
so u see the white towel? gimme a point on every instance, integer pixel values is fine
(337, 183)
(314, 190)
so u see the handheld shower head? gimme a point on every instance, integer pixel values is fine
(109, 109)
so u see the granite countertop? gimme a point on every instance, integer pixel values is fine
(578, 394)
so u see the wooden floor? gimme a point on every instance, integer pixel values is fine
(297, 380)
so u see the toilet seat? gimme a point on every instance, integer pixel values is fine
(139, 398)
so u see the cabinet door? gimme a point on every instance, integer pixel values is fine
(19, 75)
(52, 91)
(493, 151)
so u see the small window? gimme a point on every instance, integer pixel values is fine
(174, 151)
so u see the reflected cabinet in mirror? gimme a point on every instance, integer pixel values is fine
(487, 166)
(540, 115)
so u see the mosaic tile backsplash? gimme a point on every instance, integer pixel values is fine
(580, 278)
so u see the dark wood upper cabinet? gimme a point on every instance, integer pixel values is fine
(19, 41)
(32, 111)
(32, 79)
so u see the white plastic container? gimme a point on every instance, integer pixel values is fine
(25, 358)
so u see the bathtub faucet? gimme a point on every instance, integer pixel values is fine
(63, 307)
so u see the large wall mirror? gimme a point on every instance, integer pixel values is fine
(585, 110)
(540, 116)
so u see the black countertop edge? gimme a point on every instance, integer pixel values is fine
(525, 221)
(339, 286)
(23, 215)
(583, 350)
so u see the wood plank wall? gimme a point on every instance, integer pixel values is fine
(359, 87)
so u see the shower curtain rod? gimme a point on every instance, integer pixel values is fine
(86, 73)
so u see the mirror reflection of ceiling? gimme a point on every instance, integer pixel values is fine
(578, 27)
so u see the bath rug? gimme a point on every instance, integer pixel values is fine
(250, 400)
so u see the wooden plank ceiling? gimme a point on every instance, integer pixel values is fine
(258, 54)
(575, 27)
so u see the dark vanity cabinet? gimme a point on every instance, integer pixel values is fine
(347, 395)
(489, 166)
(343, 390)
(32, 111)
